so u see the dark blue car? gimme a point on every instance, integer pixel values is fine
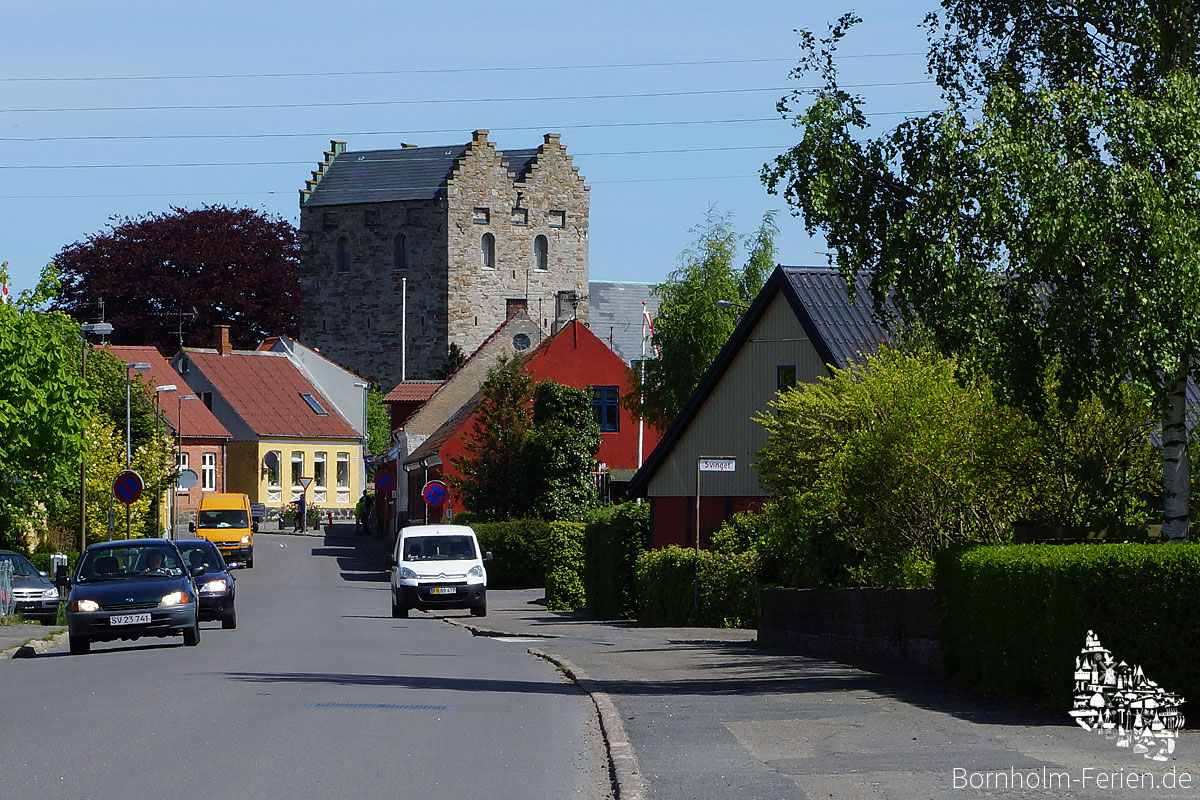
(216, 585)
(130, 589)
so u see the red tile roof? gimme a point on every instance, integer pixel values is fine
(265, 389)
(197, 420)
(418, 391)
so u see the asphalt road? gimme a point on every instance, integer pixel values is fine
(318, 693)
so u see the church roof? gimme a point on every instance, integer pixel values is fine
(375, 176)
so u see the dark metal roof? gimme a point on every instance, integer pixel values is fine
(615, 315)
(841, 330)
(375, 176)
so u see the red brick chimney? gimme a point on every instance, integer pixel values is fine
(221, 339)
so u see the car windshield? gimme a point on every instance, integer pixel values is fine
(438, 548)
(202, 553)
(20, 564)
(131, 561)
(222, 518)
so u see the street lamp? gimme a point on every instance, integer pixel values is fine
(178, 446)
(158, 390)
(731, 304)
(101, 329)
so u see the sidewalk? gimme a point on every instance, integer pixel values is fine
(13, 638)
(696, 713)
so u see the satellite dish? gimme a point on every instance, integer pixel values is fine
(187, 479)
(271, 460)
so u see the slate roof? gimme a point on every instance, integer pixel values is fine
(615, 315)
(840, 329)
(517, 162)
(198, 421)
(264, 389)
(374, 176)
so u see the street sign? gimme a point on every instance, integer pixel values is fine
(717, 463)
(127, 486)
(187, 479)
(304, 482)
(384, 481)
(435, 493)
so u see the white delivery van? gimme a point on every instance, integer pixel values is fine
(438, 566)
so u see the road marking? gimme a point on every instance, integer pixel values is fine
(390, 706)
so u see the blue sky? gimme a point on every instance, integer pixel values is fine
(433, 73)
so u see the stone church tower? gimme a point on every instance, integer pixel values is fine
(460, 236)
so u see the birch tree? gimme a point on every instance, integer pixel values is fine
(1047, 218)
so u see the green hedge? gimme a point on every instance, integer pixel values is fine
(519, 549)
(728, 592)
(42, 561)
(564, 567)
(613, 539)
(1014, 618)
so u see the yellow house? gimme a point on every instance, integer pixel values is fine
(282, 428)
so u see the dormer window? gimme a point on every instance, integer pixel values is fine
(314, 404)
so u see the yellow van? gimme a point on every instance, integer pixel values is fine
(224, 520)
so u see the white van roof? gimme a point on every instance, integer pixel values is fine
(437, 530)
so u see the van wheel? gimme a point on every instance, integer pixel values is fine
(191, 636)
(479, 610)
(80, 645)
(399, 611)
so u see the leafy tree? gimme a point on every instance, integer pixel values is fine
(450, 364)
(690, 329)
(560, 452)
(106, 458)
(234, 266)
(379, 424)
(43, 408)
(1050, 215)
(491, 472)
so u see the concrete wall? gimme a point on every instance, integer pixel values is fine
(895, 626)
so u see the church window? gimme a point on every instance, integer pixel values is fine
(400, 255)
(343, 254)
(541, 253)
(487, 251)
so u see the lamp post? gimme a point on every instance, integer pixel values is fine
(178, 447)
(103, 329)
(158, 390)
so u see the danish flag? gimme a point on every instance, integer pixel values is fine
(4, 294)
(650, 329)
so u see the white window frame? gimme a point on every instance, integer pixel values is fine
(182, 462)
(343, 489)
(208, 472)
(320, 476)
(295, 475)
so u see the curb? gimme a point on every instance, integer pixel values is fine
(34, 646)
(622, 763)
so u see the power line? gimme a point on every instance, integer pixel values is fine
(448, 71)
(444, 101)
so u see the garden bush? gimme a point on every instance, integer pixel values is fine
(728, 592)
(564, 567)
(1014, 618)
(519, 550)
(613, 539)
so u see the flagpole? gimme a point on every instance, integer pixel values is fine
(641, 381)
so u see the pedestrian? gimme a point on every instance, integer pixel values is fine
(301, 515)
(360, 513)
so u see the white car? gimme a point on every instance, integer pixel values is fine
(438, 566)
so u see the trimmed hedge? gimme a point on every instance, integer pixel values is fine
(728, 591)
(1014, 618)
(519, 550)
(564, 567)
(613, 539)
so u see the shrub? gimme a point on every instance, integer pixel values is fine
(42, 561)
(519, 549)
(728, 594)
(614, 537)
(564, 567)
(1014, 618)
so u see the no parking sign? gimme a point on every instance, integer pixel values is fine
(435, 493)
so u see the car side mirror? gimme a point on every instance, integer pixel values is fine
(192, 527)
(487, 555)
(43, 573)
(198, 570)
(392, 562)
(232, 565)
(254, 527)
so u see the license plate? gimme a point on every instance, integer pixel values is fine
(129, 619)
(442, 590)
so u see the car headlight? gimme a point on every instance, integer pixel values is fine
(215, 587)
(85, 605)
(475, 571)
(407, 574)
(246, 539)
(175, 599)
(50, 594)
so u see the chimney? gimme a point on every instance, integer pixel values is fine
(221, 340)
(479, 137)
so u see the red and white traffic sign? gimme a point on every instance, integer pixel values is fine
(304, 482)
(435, 493)
(127, 487)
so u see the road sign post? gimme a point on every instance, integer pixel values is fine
(705, 464)
(127, 487)
(436, 493)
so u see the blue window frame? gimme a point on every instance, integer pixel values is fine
(785, 376)
(606, 400)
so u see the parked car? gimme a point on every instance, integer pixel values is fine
(216, 586)
(438, 566)
(130, 589)
(36, 598)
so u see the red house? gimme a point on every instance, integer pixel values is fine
(574, 356)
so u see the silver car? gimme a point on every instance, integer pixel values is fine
(35, 597)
